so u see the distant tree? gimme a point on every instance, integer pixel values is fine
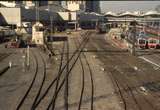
(157, 8)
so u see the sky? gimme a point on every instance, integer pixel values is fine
(117, 6)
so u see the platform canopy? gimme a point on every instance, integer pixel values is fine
(127, 13)
(110, 14)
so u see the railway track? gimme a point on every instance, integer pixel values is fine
(141, 82)
(136, 97)
(66, 92)
(27, 93)
(60, 80)
(91, 78)
(4, 70)
(4, 55)
(30, 87)
(123, 84)
(83, 83)
(42, 83)
(145, 84)
(128, 95)
(66, 77)
(75, 55)
(54, 97)
(125, 91)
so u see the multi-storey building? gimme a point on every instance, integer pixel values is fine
(93, 6)
(83, 5)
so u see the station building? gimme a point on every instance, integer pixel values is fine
(145, 18)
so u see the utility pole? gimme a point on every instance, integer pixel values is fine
(133, 24)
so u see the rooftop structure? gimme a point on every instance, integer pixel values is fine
(76, 5)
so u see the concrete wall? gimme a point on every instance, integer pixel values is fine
(73, 16)
(11, 15)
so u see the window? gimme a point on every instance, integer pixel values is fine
(152, 41)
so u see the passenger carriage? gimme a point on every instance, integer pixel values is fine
(153, 43)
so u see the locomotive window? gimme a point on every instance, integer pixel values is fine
(142, 41)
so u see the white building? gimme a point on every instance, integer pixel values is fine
(37, 34)
(76, 5)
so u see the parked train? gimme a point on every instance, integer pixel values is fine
(5, 33)
(153, 43)
(101, 28)
(16, 43)
(150, 43)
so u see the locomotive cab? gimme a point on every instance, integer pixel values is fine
(142, 43)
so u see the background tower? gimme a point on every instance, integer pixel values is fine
(93, 6)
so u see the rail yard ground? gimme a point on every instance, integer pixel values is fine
(87, 72)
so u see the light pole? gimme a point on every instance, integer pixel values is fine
(28, 61)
